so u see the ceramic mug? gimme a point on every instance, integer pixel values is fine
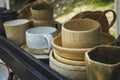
(42, 11)
(38, 39)
(81, 33)
(102, 63)
(4, 72)
(15, 30)
(100, 16)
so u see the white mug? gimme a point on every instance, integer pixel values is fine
(39, 39)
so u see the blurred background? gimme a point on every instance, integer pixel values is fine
(66, 9)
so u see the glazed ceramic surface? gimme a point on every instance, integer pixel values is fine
(4, 72)
(39, 38)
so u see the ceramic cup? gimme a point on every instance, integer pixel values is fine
(38, 39)
(100, 16)
(42, 11)
(15, 30)
(81, 33)
(103, 63)
(4, 72)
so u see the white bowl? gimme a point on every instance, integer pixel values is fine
(4, 72)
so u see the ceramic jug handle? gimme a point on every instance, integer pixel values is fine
(48, 38)
(114, 17)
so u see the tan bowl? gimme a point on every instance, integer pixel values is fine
(69, 71)
(68, 61)
(43, 23)
(77, 54)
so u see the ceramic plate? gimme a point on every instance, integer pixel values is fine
(36, 56)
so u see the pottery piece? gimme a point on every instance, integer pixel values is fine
(80, 33)
(100, 16)
(6, 15)
(69, 71)
(78, 54)
(42, 11)
(103, 62)
(43, 22)
(15, 30)
(4, 72)
(38, 39)
(68, 61)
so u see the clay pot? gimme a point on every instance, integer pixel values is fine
(78, 54)
(69, 71)
(42, 11)
(100, 16)
(103, 62)
(81, 33)
(6, 15)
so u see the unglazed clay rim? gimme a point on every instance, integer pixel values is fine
(80, 49)
(35, 10)
(64, 66)
(88, 58)
(63, 48)
(98, 26)
(68, 61)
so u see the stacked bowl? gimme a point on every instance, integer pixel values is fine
(77, 37)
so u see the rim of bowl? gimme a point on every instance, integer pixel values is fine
(98, 25)
(97, 62)
(65, 66)
(68, 61)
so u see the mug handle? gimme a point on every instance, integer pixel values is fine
(48, 38)
(114, 17)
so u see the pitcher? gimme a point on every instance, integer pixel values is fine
(100, 16)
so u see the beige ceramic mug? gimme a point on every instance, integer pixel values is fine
(81, 33)
(103, 63)
(15, 30)
(42, 11)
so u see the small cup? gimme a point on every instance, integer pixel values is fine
(81, 33)
(38, 39)
(42, 11)
(4, 72)
(15, 30)
(103, 63)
